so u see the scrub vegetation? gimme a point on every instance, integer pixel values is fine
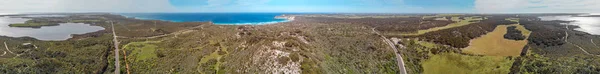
(453, 63)
(313, 44)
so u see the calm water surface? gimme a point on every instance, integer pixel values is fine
(53, 33)
(587, 24)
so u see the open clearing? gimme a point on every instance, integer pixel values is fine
(142, 50)
(441, 18)
(453, 63)
(494, 43)
(424, 43)
(467, 21)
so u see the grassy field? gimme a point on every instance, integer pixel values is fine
(455, 19)
(430, 58)
(453, 63)
(142, 50)
(494, 43)
(216, 55)
(467, 21)
(426, 44)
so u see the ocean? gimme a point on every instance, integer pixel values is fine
(216, 18)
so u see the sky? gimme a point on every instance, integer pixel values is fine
(336, 6)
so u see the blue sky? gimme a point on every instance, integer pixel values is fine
(341, 6)
(349, 6)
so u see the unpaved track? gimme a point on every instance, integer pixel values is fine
(592, 40)
(567, 37)
(6, 46)
(3, 53)
(566, 40)
(126, 64)
(116, 42)
(400, 61)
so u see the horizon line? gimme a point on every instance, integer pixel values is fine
(16, 13)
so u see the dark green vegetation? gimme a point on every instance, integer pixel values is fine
(538, 63)
(87, 53)
(198, 47)
(545, 33)
(401, 24)
(460, 36)
(34, 24)
(83, 56)
(309, 44)
(513, 34)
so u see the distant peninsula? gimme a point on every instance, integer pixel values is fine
(34, 24)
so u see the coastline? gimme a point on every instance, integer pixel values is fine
(256, 23)
(583, 23)
(287, 19)
(277, 19)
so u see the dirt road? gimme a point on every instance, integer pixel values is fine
(116, 42)
(567, 36)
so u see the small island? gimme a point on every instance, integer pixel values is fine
(35, 24)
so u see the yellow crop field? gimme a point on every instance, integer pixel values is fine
(494, 43)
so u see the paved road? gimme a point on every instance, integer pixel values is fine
(116, 42)
(400, 61)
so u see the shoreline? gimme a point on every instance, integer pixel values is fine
(256, 23)
(578, 21)
(287, 18)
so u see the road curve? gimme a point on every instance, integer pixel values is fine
(400, 61)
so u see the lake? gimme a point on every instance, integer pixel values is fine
(51, 33)
(586, 24)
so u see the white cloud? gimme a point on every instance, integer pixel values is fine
(27, 5)
(12, 6)
(554, 6)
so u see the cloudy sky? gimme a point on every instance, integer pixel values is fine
(348, 6)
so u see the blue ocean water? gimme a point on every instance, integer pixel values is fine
(216, 18)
